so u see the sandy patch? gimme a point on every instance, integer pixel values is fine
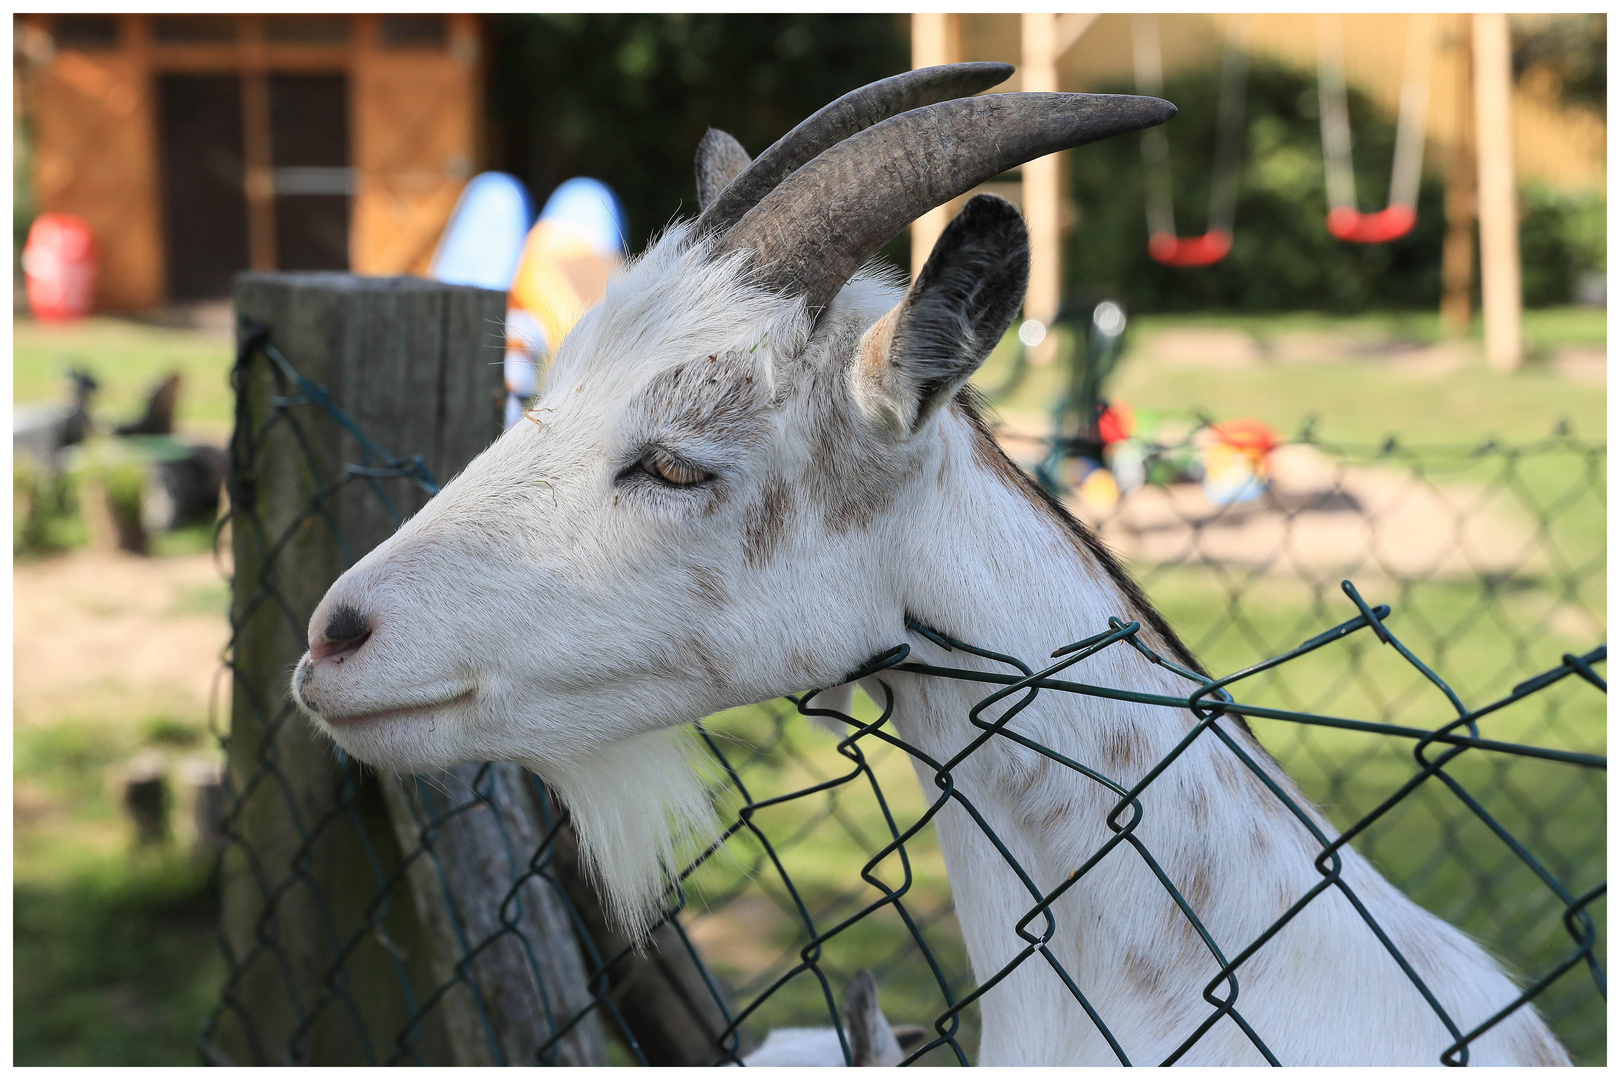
(1321, 520)
(116, 637)
(1202, 347)
(1588, 365)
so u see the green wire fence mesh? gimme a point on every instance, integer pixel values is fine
(359, 934)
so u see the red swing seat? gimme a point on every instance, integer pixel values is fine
(1390, 223)
(1206, 250)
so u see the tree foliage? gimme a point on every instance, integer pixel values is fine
(1573, 49)
(626, 97)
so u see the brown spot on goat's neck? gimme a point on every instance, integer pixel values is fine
(766, 523)
(1145, 972)
(695, 654)
(1532, 1044)
(1286, 895)
(1198, 800)
(1060, 812)
(1200, 888)
(708, 586)
(799, 666)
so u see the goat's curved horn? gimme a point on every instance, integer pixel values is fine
(829, 126)
(820, 224)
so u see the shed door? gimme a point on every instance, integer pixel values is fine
(309, 147)
(204, 202)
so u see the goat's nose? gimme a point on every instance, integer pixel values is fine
(345, 632)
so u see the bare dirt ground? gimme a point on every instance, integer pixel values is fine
(116, 638)
(1319, 519)
(1228, 349)
(1324, 520)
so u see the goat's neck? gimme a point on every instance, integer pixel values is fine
(987, 563)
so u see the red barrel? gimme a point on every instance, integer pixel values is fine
(59, 262)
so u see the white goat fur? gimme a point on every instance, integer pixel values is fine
(539, 611)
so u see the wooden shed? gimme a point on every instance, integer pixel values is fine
(200, 145)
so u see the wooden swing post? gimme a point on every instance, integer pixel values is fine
(936, 38)
(1498, 210)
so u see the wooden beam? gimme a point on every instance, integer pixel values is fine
(1041, 180)
(1071, 27)
(935, 39)
(258, 167)
(229, 59)
(1498, 210)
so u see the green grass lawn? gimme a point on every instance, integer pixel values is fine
(115, 950)
(1354, 399)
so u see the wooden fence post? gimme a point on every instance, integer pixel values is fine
(529, 980)
(1042, 182)
(328, 967)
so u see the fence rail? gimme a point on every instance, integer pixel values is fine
(446, 919)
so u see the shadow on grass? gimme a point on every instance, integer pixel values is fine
(118, 965)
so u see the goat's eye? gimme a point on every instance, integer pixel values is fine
(672, 470)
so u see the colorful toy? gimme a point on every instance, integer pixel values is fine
(59, 262)
(1235, 456)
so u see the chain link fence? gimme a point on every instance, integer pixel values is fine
(1451, 727)
(1494, 555)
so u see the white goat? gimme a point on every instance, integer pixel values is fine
(749, 464)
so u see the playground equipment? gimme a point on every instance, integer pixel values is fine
(1163, 243)
(1078, 419)
(484, 238)
(1114, 452)
(1345, 219)
(566, 260)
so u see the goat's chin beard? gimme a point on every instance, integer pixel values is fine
(639, 806)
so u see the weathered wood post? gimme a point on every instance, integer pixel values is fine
(332, 962)
(504, 942)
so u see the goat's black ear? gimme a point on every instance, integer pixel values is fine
(913, 359)
(719, 159)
